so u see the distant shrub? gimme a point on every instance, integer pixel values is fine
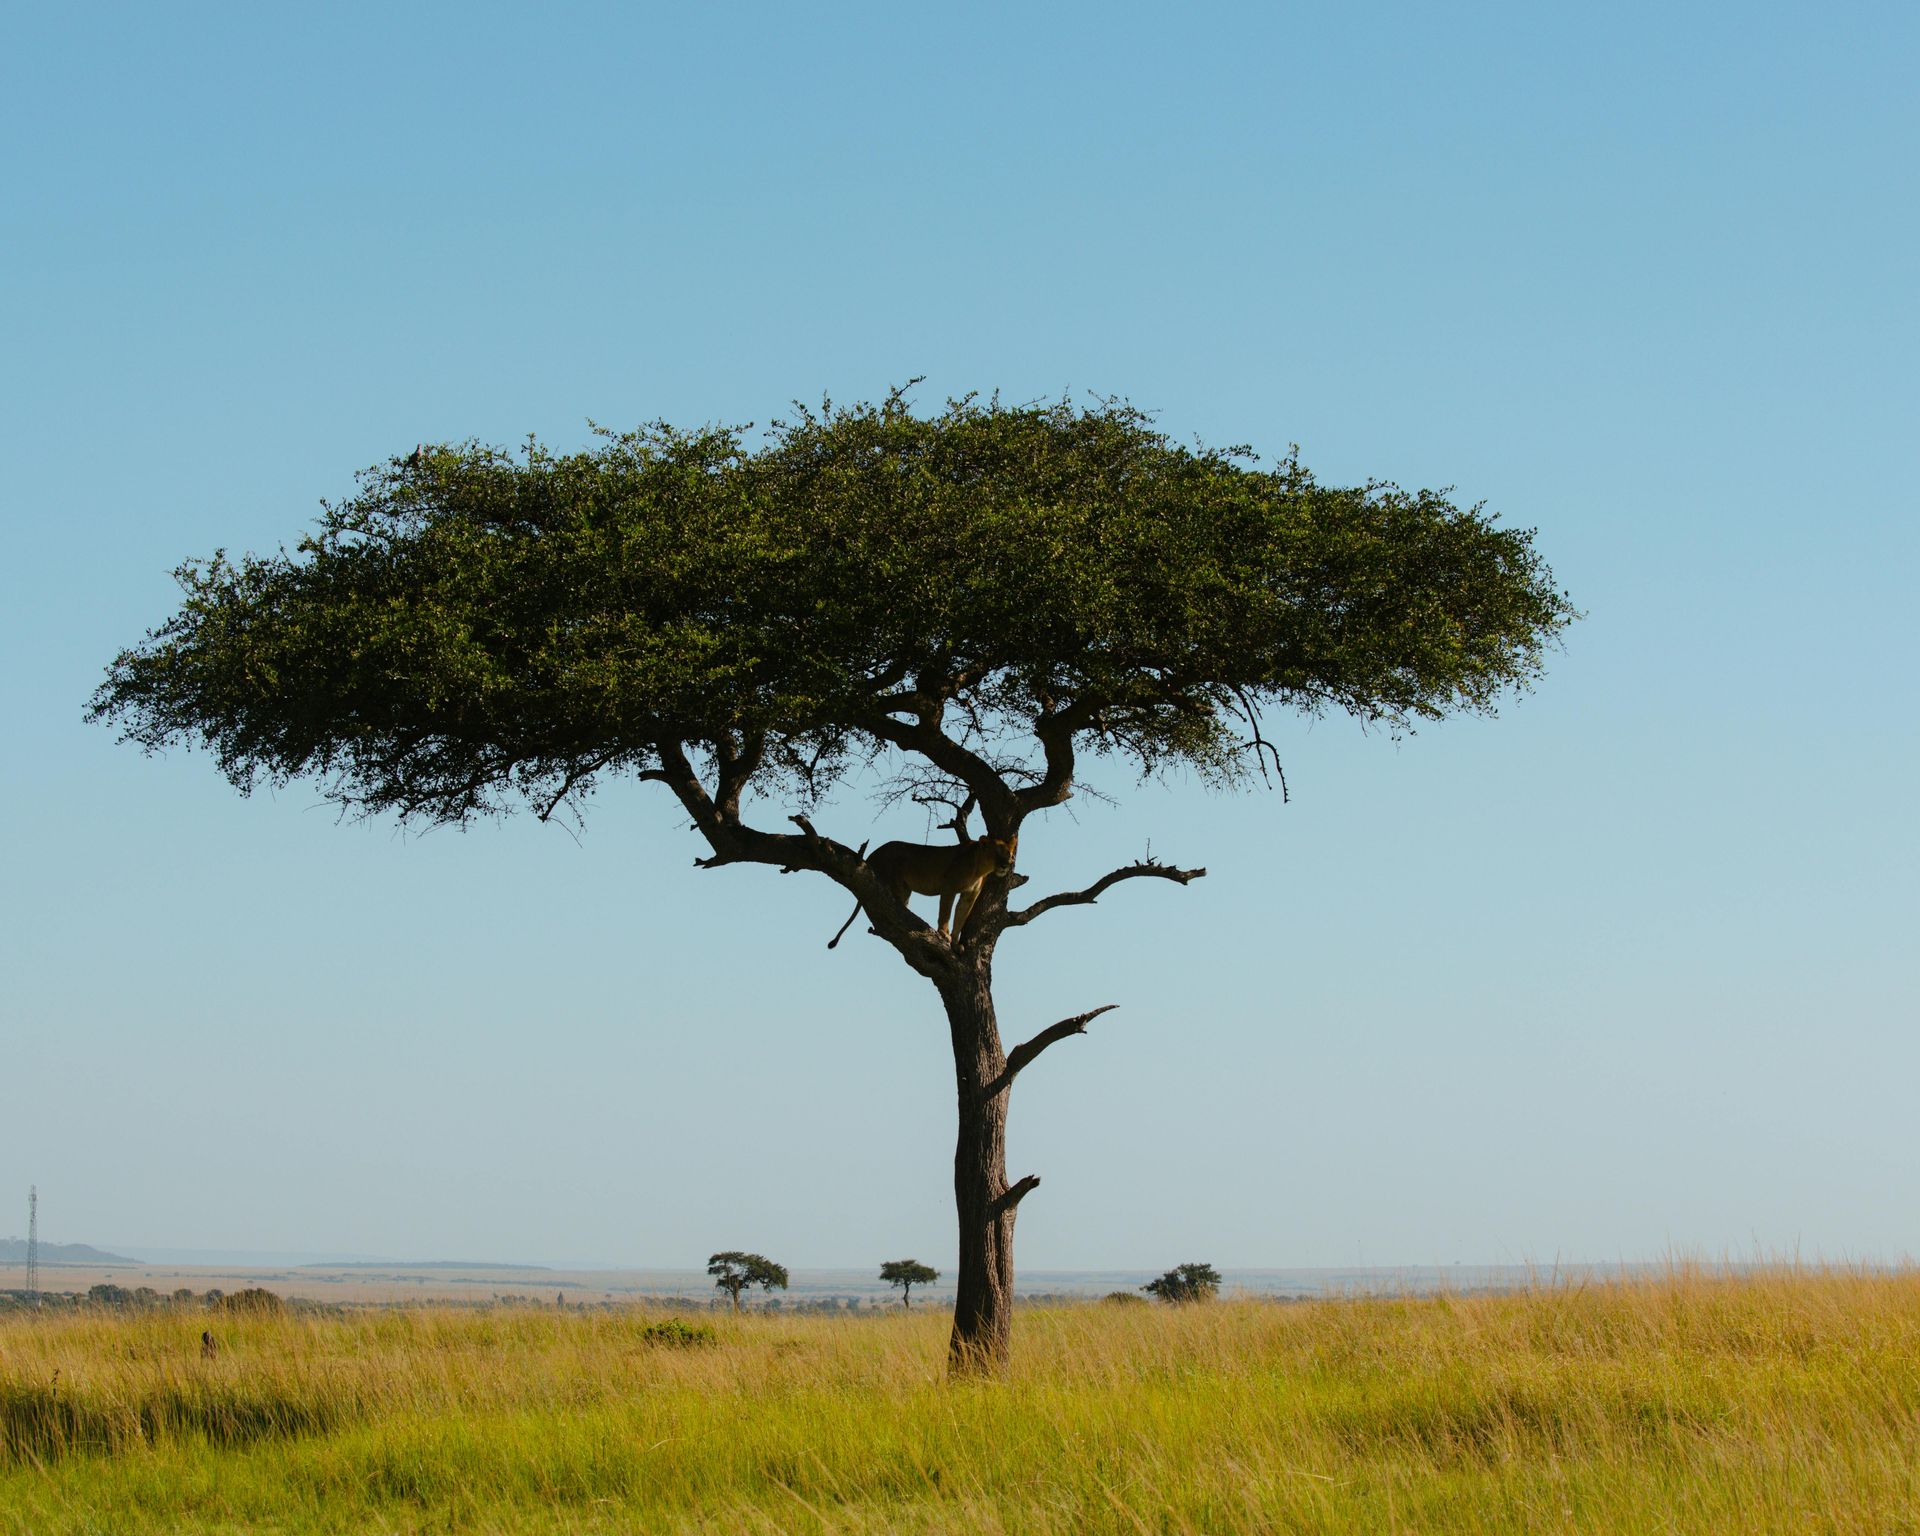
(254, 1299)
(679, 1333)
(1124, 1299)
(118, 1296)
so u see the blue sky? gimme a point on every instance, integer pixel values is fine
(1626, 971)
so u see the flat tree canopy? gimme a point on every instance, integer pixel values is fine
(976, 601)
(907, 1273)
(734, 1272)
(1186, 1282)
(473, 626)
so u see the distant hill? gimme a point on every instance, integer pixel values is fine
(396, 1265)
(13, 1250)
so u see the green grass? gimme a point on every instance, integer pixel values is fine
(1786, 1402)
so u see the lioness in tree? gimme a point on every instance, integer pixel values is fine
(954, 873)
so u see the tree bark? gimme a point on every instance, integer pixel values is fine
(983, 1304)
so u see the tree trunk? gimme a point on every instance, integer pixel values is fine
(983, 1305)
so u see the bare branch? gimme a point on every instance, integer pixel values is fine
(1148, 866)
(1261, 746)
(1014, 1195)
(574, 776)
(924, 736)
(961, 808)
(1022, 1055)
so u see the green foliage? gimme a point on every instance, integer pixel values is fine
(734, 1272)
(139, 1298)
(470, 626)
(679, 1333)
(254, 1299)
(1123, 1299)
(1186, 1282)
(907, 1273)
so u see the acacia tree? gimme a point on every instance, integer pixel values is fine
(734, 1271)
(1186, 1282)
(907, 1273)
(974, 602)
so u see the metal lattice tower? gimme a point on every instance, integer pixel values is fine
(33, 1243)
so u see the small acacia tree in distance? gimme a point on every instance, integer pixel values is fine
(971, 604)
(1186, 1282)
(733, 1272)
(907, 1273)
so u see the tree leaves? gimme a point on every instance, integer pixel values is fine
(472, 625)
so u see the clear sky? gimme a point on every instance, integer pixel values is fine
(1627, 971)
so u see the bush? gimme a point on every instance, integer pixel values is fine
(1124, 1299)
(679, 1333)
(253, 1299)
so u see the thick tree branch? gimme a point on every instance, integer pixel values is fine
(1022, 1055)
(889, 676)
(998, 805)
(1055, 731)
(733, 842)
(1148, 866)
(736, 764)
(1015, 1195)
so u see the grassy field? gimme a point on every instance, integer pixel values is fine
(1787, 1402)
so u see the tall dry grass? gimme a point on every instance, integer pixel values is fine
(1779, 1402)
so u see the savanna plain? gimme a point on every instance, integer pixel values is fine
(1777, 1401)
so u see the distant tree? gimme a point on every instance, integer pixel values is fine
(907, 1273)
(733, 1272)
(1186, 1282)
(1124, 1299)
(972, 607)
